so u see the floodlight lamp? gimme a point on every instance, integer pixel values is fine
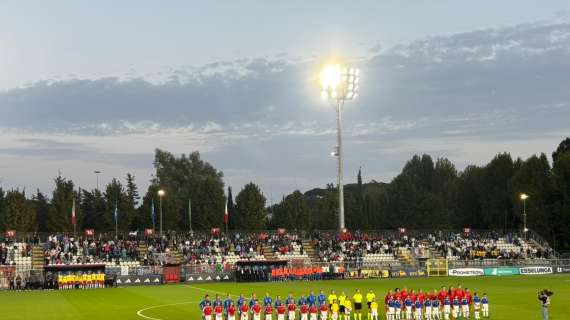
(331, 77)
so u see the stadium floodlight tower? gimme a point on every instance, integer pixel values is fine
(523, 197)
(339, 84)
(161, 194)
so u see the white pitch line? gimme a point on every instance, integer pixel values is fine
(209, 290)
(140, 312)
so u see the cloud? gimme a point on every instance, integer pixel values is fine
(503, 88)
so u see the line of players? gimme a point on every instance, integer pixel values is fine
(454, 303)
(80, 281)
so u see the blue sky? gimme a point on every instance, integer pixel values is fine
(98, 85)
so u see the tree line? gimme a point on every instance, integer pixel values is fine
(427, 194)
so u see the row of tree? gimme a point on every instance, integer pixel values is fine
(427, 194)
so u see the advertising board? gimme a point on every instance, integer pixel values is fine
(466, 272)
(501, 271)
(536, 270)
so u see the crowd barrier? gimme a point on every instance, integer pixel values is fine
(155, 275)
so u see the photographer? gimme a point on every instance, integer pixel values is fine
(544, 298)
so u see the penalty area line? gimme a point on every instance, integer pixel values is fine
(140, 312)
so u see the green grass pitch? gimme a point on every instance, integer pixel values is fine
(511, 298)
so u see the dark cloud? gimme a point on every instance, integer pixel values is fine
(499, 85)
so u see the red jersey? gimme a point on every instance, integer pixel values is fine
(404, 295)
(244, 308)
(313, 309)
(397, 296)
(256, 308)
(304, 309)
(413, 298)
(459, 293)
(232, 310)
(218, 309)
(268, 309)
(324, 308)
(387, 298)
(442, 294)
(207, 310)
(281, 309)
(291, 307)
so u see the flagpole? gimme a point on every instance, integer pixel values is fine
(190, 214)
(73, 218)
(116, 222)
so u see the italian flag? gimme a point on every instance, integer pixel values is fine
(226, 214)
(73, 220)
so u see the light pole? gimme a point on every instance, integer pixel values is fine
(97, 172)
(339, 84)
(523, 197)
(160, 195)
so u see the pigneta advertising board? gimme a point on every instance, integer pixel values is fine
(466, 272)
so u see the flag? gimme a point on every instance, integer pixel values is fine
(226, 214)
(116, 213)
(73, 219)
(152, 213)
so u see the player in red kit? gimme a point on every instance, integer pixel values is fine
(313, 312)
(413, 297)
(442, 295)
(468, 296)
(207, 311)
(405, 294)
(268, 312)
(281, 312)
(292, 307)
(219, 311)
(256, 309)
(232, 312)
(388, 296)
(244, 311)
(421, 296)
(324, 311)
(459, 293)
(304, 311)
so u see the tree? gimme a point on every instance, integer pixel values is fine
(189, 177)
(250, 204)
(116, 199)
(292, 212)
(41, 207)
(131, 202)
(59, 218)
(93, 208)
(18, 214)
(561, 202)
(234, 218)
(563, 147)
(533, 178)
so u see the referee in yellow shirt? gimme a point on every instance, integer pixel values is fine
(357, 304)
(331, 298)
(370, 296)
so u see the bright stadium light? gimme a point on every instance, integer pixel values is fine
(339, 84)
